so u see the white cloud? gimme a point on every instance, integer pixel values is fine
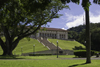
(94, 18)
(73, 21)
(98, 12)
(63, 28)
(77, 20)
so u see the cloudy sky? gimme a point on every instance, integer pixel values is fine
(75, 16)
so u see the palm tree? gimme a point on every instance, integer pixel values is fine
(88, 39)
(85, 5)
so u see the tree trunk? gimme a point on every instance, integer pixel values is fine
(8, 47)
(7, 52)
(88, 39)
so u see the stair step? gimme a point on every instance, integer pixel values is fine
(51, 46)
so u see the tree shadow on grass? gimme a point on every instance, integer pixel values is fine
(77, 65)
(10, 57)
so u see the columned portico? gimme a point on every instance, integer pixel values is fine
(66, 36)
(58, 35)
(37, 35)
(53, 33)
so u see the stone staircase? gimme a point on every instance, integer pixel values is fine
(50, 46)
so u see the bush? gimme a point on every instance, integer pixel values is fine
(61, 52)
(82, 53)
(78, 48)
(39, 54)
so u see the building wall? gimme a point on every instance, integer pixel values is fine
(53, 34)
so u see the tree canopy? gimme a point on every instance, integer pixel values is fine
(19, 19)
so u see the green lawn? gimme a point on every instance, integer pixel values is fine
(47, 61)
(27, 46)
(64, 44)
(37, 57)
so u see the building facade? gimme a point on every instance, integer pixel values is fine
(53, 33)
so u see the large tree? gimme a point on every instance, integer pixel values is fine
(21, 18)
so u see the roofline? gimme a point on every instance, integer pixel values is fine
(52, 29)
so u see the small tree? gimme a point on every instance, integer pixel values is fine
(19, 19)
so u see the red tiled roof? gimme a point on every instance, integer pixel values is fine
(53, 29)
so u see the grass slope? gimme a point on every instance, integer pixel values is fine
(64, 44)
(27, 46)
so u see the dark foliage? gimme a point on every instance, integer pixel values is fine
(39, 54)
(78, 33)
(78, 48)
(82, 53)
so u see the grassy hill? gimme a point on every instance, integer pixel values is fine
(66, 44)
(27, 46)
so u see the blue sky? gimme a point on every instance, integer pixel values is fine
(74, 16)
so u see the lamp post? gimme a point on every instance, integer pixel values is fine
(15, 52)
(21, 50)
(57, 49)
(34, 49)
(85, 43)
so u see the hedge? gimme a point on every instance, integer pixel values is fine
(82, 53)
(39, 54)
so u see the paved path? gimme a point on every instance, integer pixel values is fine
(59, 58)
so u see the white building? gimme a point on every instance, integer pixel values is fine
(54, 33)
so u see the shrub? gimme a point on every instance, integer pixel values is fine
(82, 53)
(78, 48)
(39, 54)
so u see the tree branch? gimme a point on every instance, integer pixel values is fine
(15, 43)
(2, 44)
(6, 33)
